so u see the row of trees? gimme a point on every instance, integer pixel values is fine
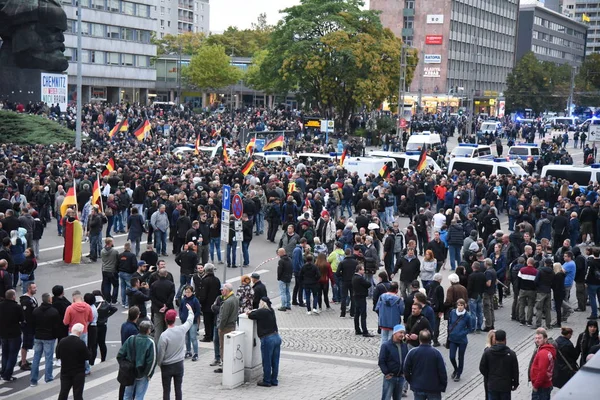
(545, 86)
(334, 56)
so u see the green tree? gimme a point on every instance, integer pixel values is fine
(186, 43)
(335, 56)
(246, 42)
(587, 82)
(541, 86)
(210, 68)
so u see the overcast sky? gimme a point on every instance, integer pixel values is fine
(242, 13)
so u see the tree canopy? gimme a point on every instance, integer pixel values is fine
(334, 56)
(210, 68)
(587, 82)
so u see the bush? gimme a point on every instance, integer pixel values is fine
(32, 129)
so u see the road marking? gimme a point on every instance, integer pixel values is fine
(60, 259)
(237, 278)
(82, 242)
(84, 284)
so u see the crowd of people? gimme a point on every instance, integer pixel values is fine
(336, 232)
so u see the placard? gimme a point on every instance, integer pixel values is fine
(435, 19)
(432, 59)
(431, 72)
(54, 89)
(434, 39)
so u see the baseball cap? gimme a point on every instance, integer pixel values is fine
(141, 263)
(399, 328)
(171, 316)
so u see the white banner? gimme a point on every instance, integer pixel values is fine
(54, 89)
(432, 59)
(435, 18)
(431, 72)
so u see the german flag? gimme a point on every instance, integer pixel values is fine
(73, 234)
(279, 141)
(422, 164)
(119, 128)
(124, 125)
(247, 166)
(197, 145)
(110, 167)
(250, 146)
(140, 133)
(71, 166)
(225, 155)
(343, 157)
(384, 171)
(96, 193)
(70, 200)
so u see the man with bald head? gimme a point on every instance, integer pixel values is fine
(229, 315)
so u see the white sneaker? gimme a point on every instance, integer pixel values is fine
(57, 363)
(317, 311)
(308, 312)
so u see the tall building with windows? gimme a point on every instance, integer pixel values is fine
(551, 35)
(587, 12)
(180, 16)
(116, 53)
(466, 48)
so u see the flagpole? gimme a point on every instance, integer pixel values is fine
(98, 180)
(75, 193)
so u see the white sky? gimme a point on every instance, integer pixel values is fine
(242, 13)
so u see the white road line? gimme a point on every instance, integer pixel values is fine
(237, 278)
(60, 247)
(327, 357)
(60, 259)
(84, 284)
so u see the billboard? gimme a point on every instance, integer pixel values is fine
(431, 72)
(54, 90)
(434, 39)
(432, 59)
(435, 19)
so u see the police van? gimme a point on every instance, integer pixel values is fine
(470, 150)
(273, 156)
(430, 140)
(408, 160)
(574, 174)
(489, 166)
(312, 158)
(365, 166)
(524, 151)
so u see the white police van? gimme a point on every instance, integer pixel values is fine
(430, 140)
(470, 150)
(525, 152)
(408, 160)
(273, 156)
(489, 166)
(311, 158)
(365, 166)
(574, 174)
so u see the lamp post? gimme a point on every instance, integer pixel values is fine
(231, 91)
(79, 81)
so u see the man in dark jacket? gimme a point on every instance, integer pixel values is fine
(5, 278)
(45, 319)
(543, 288)
(203, 245)
(475, 288)
(410, 268)
(424, 369)
(247, 225)
(73, 352)
(162, 293)
(187, 261)
(260, 290)
(391, 362)
(345, 271)
(580, 270)
(415, 324)
(28, 303)
(127, 266)
(138, 295)
(208, 288)
(560, 227)
(284, 277)
(500, 369)
(360, 287)
(12, 316)
(439, 250)
(60, 302)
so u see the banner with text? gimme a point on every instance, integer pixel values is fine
(55, 89)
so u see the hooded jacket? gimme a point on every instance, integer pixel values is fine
(409, 269)
(45, 321)
(79, 312)
(585, 341)
(500, 367)
(390, 307)
(145, 354)
(542, 367)
(543, 280)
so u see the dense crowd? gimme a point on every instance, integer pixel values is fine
(374, 238)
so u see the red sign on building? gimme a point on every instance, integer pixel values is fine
(434, 39)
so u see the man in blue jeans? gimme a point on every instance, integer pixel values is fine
(128, 264)
(160, 223)
(424, 369)
(45, 319)
(592, 281)
(476, 287)
(10, 333)
(391, 362)
(270, 341)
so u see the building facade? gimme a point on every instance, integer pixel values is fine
(466, 48)
(576, 9)
(181, 16)
(116, 51)
(551, 35)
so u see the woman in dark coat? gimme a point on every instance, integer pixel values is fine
(566, 359)
(586, 340)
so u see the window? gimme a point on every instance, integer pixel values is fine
(85, 28)
(98, 4)
(97, 57)
(112, 32)
(143, 61)
(145, 36)
(97, 30)
(113, 5)
(126, 34)
(112, 58)
(143, 11)
(126, 59)
(128, 8)
(85, 56)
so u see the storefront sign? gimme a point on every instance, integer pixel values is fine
(432, 59)
(435, 19)
(431, 72)
(434, 39)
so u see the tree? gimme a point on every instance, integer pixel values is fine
(186, 43)
(335, 56)
(210, 68)
(587, 82)
(541, 86)
(246, 42)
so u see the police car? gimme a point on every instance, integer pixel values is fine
(525, 152)
(273, 156)
(489, 166)
(574, 174)
(308, 158)
(408, 160)
(470, 150)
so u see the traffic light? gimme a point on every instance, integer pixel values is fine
(460, 112)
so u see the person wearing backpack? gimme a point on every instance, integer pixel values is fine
(138, 353)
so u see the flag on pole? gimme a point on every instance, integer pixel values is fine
(70, 200)
(73, 234)
(384, 171)
(225, 155)
(585, 18)
(140, 133)
(110, 167)
(71, 166)
(117, 128)
(422, 164)
(250, 146)
(197, 145)
(247, 166)
(124, 125)
(343, 157)
(96, 193)
(279, 141)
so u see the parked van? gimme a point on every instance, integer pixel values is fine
(365, 166)
(311, 158)
(570, 122)
(276, 156)
(574, 174)
(490, 128)
(408, 160)
(416, 141)
(470, 150)
(524, 151)
(493, 166)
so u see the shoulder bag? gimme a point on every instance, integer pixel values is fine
(450, 329)
(127, 370)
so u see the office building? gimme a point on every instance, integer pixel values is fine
(116, 51)
(551, 35)
(587, 12)
(180, 16)
(466, 49)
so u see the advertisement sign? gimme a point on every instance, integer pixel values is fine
(431, 72)
(432, 59)
(435, 19)
(434, 39)
(54, 89)
(501, 108)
